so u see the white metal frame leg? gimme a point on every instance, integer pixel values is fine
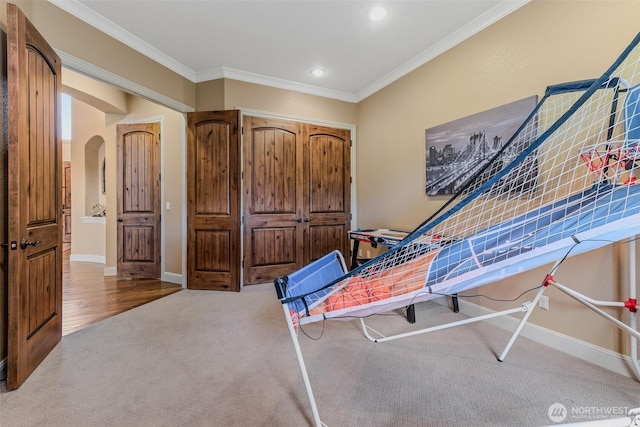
(523, 321)
(592, 305)
(525, 307)
(632, 314)
(303, 368)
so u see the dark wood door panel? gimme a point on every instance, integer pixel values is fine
(35, 198)
(212, 251)
(296, 197)
(211, 168)
(66, 202)
(42, 267)
(66, 225)
(138, 193)
(326, 238)
(328, 191)
(213, 200)
(328, 174)
(273, 217)
(274, 251)
(139, 248)
(214, 265)
(272, 172)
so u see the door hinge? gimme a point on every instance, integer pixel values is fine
(159, 135)
(159, 177)
(350, 216)
(242, 130)
(242, 220)
(242, 175)
(160, 217)
(350, 180)
(350, 143)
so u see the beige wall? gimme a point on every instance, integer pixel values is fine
(543, 43)
(106, 98)
(80, 40)
(210, 95)
(87, 133)
(228, 94)
(91, 125)
(239, 94)
(172, 182)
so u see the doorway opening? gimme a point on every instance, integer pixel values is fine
(91, 290)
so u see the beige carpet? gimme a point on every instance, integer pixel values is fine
(199, 358)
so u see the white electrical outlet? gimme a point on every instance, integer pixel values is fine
(368, 254)
(543, 302)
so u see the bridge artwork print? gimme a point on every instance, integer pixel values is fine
(457, 150)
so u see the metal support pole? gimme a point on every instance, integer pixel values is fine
(524, 319)
(303, 368)
(524, 307)
(581, 298)
(632, 314)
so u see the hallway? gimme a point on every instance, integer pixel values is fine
(88, 296)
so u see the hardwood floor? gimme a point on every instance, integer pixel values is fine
(88, 296)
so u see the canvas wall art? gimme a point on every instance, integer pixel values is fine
(456, 150)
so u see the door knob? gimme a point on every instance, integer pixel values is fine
(298, 219)
(25, 243)
(119, 219)
(307, 220)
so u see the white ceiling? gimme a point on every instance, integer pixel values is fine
(277, 43)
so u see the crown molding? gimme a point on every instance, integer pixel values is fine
(96, 20)
(502, 9)
(230, 73)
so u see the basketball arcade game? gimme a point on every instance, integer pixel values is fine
(564, 184)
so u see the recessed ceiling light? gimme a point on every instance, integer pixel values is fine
(378, 13)
(318, 72)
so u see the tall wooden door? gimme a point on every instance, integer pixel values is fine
(273, 199)
(138, 206)
(213, 200)
(297, 200)
(327, 190)
(35, 198)
(66, 202)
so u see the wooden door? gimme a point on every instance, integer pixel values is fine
(138, 193)
(35, 198)
(327, 191)
(273, 199)
(66, 202)
(297, 203)
(213, 200)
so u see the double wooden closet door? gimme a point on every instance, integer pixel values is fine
(296, 197)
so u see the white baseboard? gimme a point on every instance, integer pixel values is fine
(167, 277)
(111, 271)
(100, 259)
(173, 278)
(618, 363)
